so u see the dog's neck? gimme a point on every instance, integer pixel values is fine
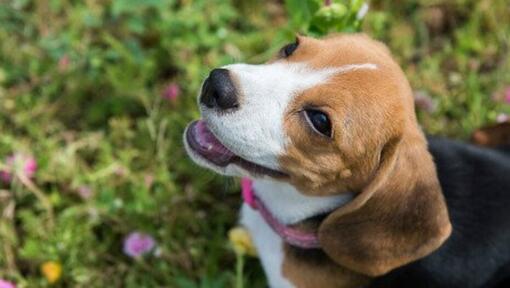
(290, 206)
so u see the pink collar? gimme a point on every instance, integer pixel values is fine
(290, 235)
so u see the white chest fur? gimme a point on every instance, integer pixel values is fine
(269, 247)
(290, 206)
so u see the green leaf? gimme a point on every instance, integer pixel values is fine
(301, 12)
(318, 19)
(329, 17)
(126, 6)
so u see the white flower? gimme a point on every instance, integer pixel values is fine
(501, 118)
(362, 11)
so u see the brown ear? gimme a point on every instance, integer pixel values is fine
(399, 217)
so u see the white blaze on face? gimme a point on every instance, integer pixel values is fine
(255, 130)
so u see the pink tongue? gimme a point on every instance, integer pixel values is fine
(210, 144)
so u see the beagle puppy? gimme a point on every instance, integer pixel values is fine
(346, 190)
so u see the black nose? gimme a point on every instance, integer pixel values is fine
(219, 91)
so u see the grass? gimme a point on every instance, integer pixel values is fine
(85, 90)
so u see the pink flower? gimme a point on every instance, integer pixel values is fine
(424, 101)
(85, 192)
(6, 174)
(120, 171)
(30, 167)
(63, 63)
(6, 284)
(502, 118)
(502, 95)
(507, 95)
(136, 244)
(171, 92)
(26, 164)
(6, 177)
(148, 180)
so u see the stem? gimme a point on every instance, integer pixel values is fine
(239, 270)
(8, 220)
(40, 195)
(10, 257)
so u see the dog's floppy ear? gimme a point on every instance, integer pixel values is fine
(399, 217)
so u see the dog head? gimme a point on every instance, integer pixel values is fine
(330, 116)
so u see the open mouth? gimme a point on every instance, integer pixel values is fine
(205, 144)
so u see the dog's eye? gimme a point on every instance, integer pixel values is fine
(288, 49)
(319, 121)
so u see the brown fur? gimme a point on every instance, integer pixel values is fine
(312, 268)
(377, 151)
(492, 136)
(358, 102)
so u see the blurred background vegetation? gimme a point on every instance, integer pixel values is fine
(95, 94)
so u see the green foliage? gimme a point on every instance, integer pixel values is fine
(318, 18)
(83, 89)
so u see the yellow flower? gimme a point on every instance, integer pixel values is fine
(52, 271)
(241, 241)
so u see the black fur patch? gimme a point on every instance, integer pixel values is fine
(476, 185)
